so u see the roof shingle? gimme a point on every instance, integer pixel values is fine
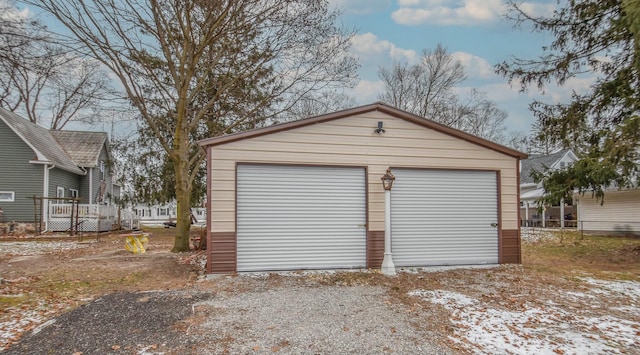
(41, 142)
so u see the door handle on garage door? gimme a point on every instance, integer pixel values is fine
(364, 225)
(494, 225)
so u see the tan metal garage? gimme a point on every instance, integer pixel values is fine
(307, 194)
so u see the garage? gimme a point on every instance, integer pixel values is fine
(308, 194)
(300, 217)
(444, 217)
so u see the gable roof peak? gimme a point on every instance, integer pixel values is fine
(377, 106)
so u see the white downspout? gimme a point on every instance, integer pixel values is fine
(45, 193)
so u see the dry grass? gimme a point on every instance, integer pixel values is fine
(569, 254)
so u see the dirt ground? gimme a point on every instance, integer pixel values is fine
(45, 277)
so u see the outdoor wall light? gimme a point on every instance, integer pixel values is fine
(379, 130)
(387, 180)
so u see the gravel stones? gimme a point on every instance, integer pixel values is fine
(236, 315)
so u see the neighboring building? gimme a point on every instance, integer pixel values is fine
(158, 214)
(530, 191)
(49, 164)
(308, 194)
(618, 214)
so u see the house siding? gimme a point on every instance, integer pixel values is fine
(84, 186)
(19, 176)
(618, 214)
(65, 179)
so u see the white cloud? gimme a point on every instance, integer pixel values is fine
(536, 9)
(474, 66)
(367, 91)
(11, 13)
(374, 51)
(562, 94)
(360, 7)
(447, 12)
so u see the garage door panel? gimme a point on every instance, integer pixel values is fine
(295, 217)
(442, 217)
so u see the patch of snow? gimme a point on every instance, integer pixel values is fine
(299, 273)
(439, 268)
(37, 248)
(616, 287)
(535, 330)
(579, 295)
(530, 234)
(445, 297)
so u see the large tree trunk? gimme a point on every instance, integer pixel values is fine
(183, 197)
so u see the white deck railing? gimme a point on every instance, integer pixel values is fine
(89, 217)
(62, 210)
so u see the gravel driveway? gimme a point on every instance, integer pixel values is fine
(236, 315)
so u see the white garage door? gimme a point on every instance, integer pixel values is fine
(444, 217)
(294, 217)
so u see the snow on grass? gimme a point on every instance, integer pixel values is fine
(624, 288)
(530, 234)
(36, 248)
(548, 329)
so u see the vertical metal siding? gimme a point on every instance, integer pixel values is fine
(300, 217)
(444, 217)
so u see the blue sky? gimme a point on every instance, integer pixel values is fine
(474, 31)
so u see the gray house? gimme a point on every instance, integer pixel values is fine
(530, 191)
(53, 164)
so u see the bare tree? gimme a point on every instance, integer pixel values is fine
(321, 103)
(419, 88)
(43, 80)
(192, 66)
(427, 90)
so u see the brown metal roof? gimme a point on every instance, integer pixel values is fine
(378, 106)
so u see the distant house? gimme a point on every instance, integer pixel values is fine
(619, 213)
(530, 191)
(160, 213)
(54, 165)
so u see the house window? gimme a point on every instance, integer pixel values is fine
(562, 165)
(163, 211)
(59, 193)
(73, 193)
(7, 196)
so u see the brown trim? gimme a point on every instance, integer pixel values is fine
(499, 200)
(375, 249)
(511, 247)
(378, 106)
(209, 204)
(222, 255)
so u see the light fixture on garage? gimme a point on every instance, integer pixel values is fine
(387, 180)
(379, 130)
